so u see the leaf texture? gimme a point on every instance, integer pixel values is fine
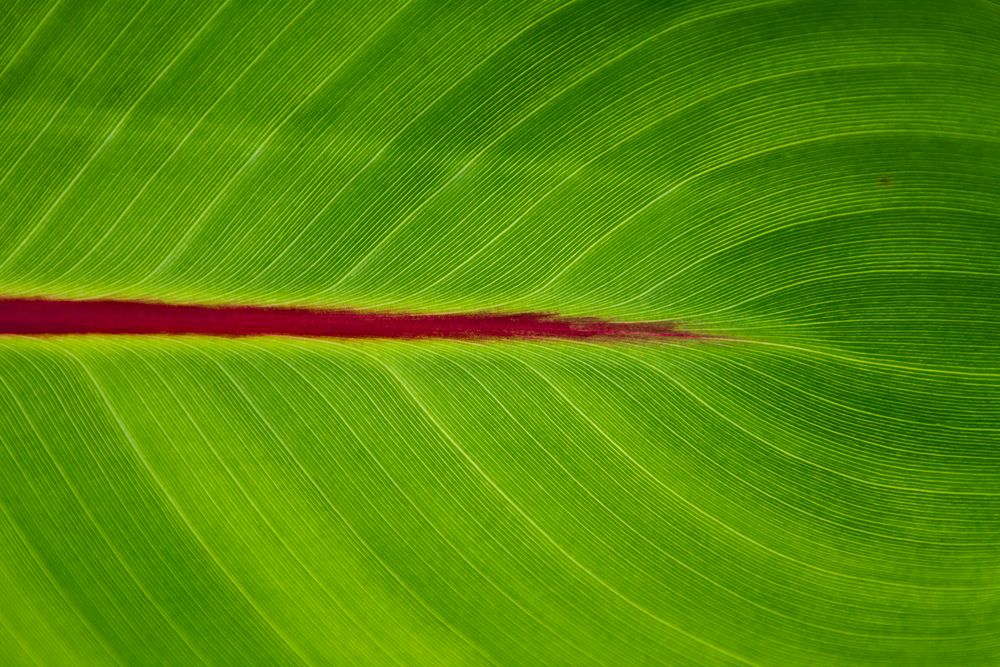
(814, 182)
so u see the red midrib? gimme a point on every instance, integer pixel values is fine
(61, 317)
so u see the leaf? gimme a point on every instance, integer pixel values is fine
(814, 182)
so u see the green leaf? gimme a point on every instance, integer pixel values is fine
(816, 182)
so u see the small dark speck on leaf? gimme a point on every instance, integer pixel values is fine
(885, 181)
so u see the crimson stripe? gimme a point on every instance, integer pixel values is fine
(54, 317)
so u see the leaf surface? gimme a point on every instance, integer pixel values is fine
(813, 182)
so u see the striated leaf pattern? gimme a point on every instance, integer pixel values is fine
(815, 182)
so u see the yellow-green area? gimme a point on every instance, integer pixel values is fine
(818, 182)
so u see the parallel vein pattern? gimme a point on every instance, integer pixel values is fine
(812, 183)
